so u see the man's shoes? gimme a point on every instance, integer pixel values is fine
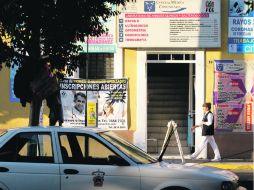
(216, 160)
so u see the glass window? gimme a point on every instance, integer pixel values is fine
(177, 56)
(189, 56)
(85, 149)
(165, 56)
(152, 57)
(3, 132)
(28, 147)
(133, 152)
(100, 66)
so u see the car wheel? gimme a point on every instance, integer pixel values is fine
(175, 188)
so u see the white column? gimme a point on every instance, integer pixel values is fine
(118, 63)
(140, 135)
(75, 74)
(199, 97)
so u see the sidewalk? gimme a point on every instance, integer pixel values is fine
(243, 168)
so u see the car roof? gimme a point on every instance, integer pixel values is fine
(59, 128)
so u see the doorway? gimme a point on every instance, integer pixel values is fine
(195, 60)
(168, 99)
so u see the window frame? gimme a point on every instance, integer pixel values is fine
(14, 149)
(87, 136)
(97, 61)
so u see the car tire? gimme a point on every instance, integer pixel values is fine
(175, 188)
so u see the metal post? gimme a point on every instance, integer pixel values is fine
(87, 65)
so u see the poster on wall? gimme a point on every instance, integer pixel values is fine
(233, 95)
(13, 71)
(240, 26)
(179, 23)
(98, 103)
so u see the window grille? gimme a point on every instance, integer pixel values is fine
(100, 66)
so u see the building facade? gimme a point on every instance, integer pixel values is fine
(168, 51)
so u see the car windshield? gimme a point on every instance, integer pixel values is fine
(133, 152)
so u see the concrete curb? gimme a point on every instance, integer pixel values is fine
(243, 170)
(231, 166)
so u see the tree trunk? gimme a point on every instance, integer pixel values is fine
(35, 110)
(35, 61)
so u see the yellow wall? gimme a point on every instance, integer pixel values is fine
(221, 53)
(130, 71)
(12, 114)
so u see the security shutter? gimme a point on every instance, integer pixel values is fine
(100, 66)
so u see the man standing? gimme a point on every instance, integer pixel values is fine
(207, 125)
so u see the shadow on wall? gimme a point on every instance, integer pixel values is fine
(14, 115)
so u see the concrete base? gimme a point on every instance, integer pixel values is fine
(234, 145)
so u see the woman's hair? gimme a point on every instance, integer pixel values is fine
(111, 109)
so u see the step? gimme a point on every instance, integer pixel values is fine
(163, 110)
(172, 97)
(172, 143)
(167, 86)
(161, 136)
(167, 91)
(166, 79)
(170, 150)
(164, 116)
(156, 129)
(164, 123)
(167, 103)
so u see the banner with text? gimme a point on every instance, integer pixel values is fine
(233, 95)
(95, 103)
(104, 43)
(240, 26)
(170, 23)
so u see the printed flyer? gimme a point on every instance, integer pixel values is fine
(233, 95)
(98, 103)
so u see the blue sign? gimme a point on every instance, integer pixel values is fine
(240, 26)
(13, 70)
(149, 6)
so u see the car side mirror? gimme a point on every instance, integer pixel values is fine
(116, 160)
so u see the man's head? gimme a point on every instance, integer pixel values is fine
(206, 106)
(79, 100)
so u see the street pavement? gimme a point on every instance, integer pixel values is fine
(243, 168)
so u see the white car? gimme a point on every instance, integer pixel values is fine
(59, 158)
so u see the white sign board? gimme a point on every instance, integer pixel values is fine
(170, 23)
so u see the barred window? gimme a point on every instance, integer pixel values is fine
(100, 66)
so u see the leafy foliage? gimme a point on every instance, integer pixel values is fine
(36, 34)
(46, 31)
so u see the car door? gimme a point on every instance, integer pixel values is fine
(27, 162)
(90, 164)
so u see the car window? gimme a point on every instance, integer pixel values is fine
(3, 132)
(28, 147)
(85, 149)
(133, 152)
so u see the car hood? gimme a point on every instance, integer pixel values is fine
(186, 171)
